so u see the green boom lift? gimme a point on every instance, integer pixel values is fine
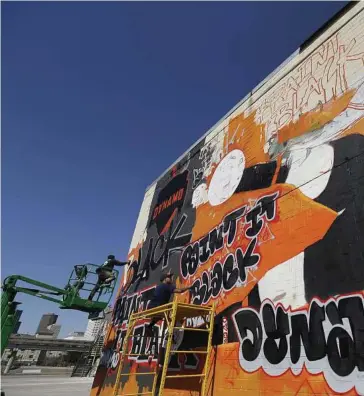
(74, 296)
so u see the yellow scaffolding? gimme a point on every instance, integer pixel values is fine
(172, 313)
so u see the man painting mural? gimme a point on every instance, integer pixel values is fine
(162, 296)
(105, 273)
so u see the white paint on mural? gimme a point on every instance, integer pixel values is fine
(357, 101)
(215, 141)
(310, 170)
(284, 284)
(211, 153)
(310, 159)
(199, 196)
(326, 74)
(332, 130)
(142, 222)
(337, 383)
(226, 178)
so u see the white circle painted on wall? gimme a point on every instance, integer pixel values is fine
(226, 178)
(199, 196)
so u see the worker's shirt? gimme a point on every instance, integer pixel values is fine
(162, 295)
(108, 266)
(111, 263)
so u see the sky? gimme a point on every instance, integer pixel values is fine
(99, 98)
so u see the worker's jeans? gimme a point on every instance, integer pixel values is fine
(101, 282)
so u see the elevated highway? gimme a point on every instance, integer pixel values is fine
(21, 341)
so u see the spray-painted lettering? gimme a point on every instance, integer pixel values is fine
(329, 338)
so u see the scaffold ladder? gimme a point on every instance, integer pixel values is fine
(172, 313)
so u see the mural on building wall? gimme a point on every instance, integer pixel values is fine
(265, 217)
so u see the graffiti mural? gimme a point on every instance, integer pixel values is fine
(265, 217)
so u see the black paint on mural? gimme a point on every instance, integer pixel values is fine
(274, 332)
(334, 265)
(170, 198)
(127, 304)
(159, 252)
(257, 177)
(236, 266)
(224, 276)
(200, 251)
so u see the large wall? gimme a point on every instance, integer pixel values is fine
(265, 217)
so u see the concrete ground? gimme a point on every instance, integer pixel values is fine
(37, 385)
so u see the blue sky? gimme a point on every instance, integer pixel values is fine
(99, 98)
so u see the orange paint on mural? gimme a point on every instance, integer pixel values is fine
(315, 118)
(98, 387)
(291, 202)
(299, 220)
(132, 385)
(244, 134)
(356, 128)
(229, 377)
(169, 222)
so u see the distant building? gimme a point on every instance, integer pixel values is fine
(37, 357)
(18, 314)
(76, 335)
(28, 356)
(93, 328)
(96, 331)
(47, 327)
(46, 321)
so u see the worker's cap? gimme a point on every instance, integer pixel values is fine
(110, 257)
(165, 276)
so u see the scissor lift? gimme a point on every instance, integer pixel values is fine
(173, 313)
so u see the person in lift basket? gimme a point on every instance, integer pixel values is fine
(162, 295)
(106, 274)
